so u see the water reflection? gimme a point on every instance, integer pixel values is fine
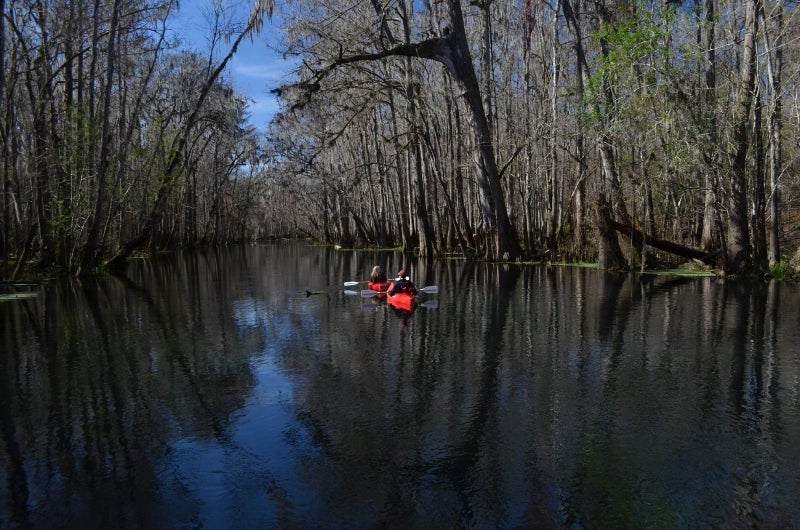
(206, 388)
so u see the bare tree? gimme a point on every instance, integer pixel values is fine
(173, 168)
(452, 50)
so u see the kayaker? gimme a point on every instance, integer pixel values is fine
(402, 284)
(377, 276)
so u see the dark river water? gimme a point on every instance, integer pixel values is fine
(207, 390)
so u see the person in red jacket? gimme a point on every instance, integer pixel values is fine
(402, 284)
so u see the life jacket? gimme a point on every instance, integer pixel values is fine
(403, 285)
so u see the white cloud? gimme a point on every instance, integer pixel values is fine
(255, 69)
(266, 71)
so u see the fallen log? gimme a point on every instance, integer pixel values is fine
(709, 258)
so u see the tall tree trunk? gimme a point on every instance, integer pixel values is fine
(5, 243)
(609, 243)
(757, 219)
(40, 91)
(427, 237)
(739, 255)
(710, 121)
(425, 232)
(774, 67)
(90, 255)
(554, 202)
(454, 147)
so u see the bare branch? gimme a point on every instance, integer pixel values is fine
(434, 49)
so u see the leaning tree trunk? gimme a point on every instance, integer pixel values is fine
(505, 245)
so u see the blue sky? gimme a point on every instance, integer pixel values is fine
(254, 70)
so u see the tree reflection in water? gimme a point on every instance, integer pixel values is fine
(201, 389)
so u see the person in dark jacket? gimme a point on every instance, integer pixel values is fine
(402, 284)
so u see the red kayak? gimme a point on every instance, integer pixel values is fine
(381, 287)
(404, 301)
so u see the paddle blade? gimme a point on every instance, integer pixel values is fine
(348, 292)
(351, 284)
(431, 289)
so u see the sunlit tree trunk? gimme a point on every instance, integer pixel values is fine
(457, 179)
(774, 55)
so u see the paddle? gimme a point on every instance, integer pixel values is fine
(431, 289)
(352, 284)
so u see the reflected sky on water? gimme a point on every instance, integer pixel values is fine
(244, 387)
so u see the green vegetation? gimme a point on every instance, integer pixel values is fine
(780, 270)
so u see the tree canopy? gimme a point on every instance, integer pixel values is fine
(629, 133)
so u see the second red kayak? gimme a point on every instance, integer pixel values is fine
(381, 287)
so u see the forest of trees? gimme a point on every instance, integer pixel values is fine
(629, 133)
